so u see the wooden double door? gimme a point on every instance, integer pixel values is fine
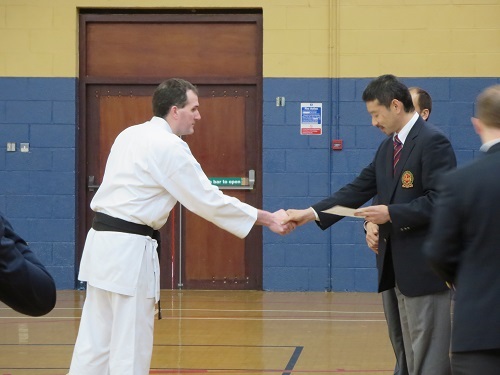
(116, 87)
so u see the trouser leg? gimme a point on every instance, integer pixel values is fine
(391, 310)
(133, 323)
(426, 323)
(116, 331)
(91, 352)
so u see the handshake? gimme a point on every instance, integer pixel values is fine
(284, 222)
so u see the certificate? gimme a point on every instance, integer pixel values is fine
(342, 211)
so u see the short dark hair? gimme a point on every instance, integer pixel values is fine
(488, 107)
(169, 93)
(424, 99)
(386, 88)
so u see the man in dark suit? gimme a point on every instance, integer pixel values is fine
(464, 246)
(422, 102)
(403, 175)
(25, 284)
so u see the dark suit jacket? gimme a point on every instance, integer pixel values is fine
(25, 284)
(427, 154)
(464, 248)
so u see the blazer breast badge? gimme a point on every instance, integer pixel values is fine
(407, 180)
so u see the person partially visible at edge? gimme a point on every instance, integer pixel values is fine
(25, 284)
(148, 170)
(422, 102)
(464, 246)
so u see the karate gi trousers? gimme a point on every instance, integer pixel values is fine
(116, 330)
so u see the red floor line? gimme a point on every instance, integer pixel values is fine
(261, 371)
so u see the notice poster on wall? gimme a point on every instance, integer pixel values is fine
(311, 120)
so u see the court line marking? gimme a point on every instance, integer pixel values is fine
(298, 311)
(242, 310)
(205, 318)
(293, 360)
(263, 371)
(180, 317)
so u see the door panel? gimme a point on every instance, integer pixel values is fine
(117, 113)
(222, 143)
(202, 46)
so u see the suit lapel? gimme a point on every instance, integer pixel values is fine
(408, 147)
(389, 159)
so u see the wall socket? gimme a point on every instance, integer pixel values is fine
(11, 146)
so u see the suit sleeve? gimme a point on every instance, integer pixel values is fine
(438, 158)
(444, 245)
(352, 195)
(25, 284)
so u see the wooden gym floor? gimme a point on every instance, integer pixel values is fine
(222, 332)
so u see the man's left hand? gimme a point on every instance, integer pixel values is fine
(374, 214)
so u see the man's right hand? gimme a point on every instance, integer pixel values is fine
(281, 225)
(277, 221)
(372, 236)
(300, 217)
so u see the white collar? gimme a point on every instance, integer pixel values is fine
(403, 133)
(486, 146)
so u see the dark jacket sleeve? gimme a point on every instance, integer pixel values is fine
(444, 245)
(25, 285)
(352, 195)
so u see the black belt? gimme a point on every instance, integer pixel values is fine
(106, 223)
(103, 222)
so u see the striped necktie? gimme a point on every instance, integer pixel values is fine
(398, 145)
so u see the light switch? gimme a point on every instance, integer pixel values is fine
(25, 147)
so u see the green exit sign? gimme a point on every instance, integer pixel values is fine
(229, 181)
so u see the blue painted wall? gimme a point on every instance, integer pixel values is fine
(38, 189)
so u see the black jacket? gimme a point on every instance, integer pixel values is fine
(410, 195)
(464, 248)
(25, 284)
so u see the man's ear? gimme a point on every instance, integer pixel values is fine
(425, 114)
(477, 124)
(396, 105)
(174, 111)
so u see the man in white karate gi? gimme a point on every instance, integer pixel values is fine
(149, 169)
